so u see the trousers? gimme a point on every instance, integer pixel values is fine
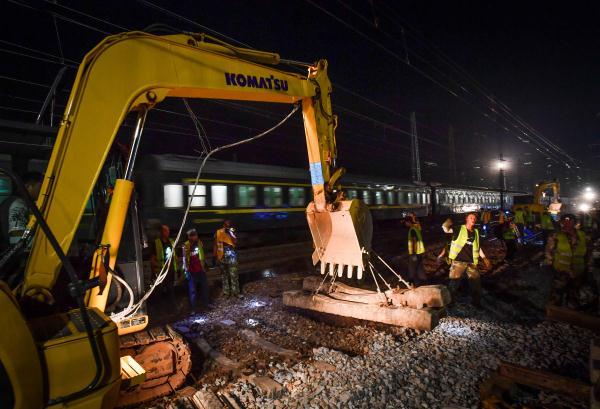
(196, 280)
(457, 270)
(229, 277)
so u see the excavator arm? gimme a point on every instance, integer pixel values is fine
(134, 72)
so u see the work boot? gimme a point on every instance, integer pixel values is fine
(453, 285)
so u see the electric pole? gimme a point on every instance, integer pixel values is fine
(414, 145)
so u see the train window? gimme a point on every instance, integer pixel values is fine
(401, 198)
(366, 196)
(173, 195)
(245, 195)
(5, 188)
(198, 196)
(379, 198)
(218, 195)
(273, 196)
(391, 198)
(351, 194)
(296, 196)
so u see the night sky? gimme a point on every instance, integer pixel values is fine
(541, 61)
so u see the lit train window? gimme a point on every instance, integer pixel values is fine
(401, 198)
(245, 195)
(409, 198)
(391, 198)
(173, 195)
(424, 198)
(351, 194)
(272, 195)
(366, 196)
(296, 196)
(198, 196)
(379, 198)
(218, 195)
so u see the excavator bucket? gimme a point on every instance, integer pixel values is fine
(342, 237)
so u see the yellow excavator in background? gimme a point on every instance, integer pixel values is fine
(73, 359)
(537, 205)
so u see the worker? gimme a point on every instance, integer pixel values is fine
(14, 211)
(486, 216)
(225, 254)
(416, 249)
(529, 217)
(510, 237)
(447, 229)
(162, 251)
(519, 220)
(194, 267)
(565, 255)
(547, 226)
(465, 253)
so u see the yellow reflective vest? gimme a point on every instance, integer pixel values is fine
(420, 246)
(546, 222)
(570, 260)
(519, 217)
(457, 245)
(160, 254)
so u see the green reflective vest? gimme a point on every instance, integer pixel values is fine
(160, 254)
(457, 245)
(546, 222)
(509, 234)
(569, 260)
(519, 217)
(420, 245)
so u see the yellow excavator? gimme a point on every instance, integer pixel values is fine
(74, 359)
(537, 205)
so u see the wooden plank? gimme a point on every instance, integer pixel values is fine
(569, 316)
(544, 380)
(259, 341)
(424, 319)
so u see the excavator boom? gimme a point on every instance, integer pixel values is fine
(135, 71)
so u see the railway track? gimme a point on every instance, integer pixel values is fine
(255, 353)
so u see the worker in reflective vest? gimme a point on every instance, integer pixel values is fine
(529, 217)
(465, 253)
(519, 220)
(225, 254)
(547, 226)
(486, 216)
(416, 249)
(566, 256)
(510, 237)
(161, 253)
(194, 266)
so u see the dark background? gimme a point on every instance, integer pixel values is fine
(509, 77)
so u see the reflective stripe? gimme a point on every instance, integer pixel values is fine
(316, 174)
